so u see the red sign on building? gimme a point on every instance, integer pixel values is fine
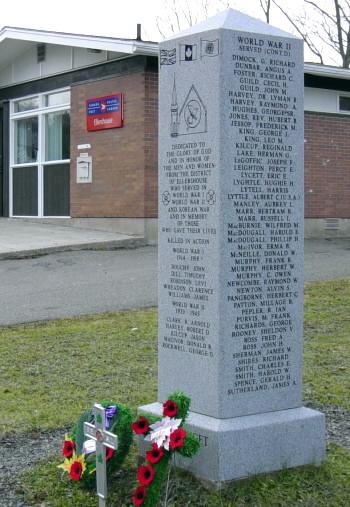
(104, 112)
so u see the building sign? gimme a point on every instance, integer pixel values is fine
(104, 112)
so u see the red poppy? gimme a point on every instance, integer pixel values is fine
(155, 454)
(139, 495)
(177, 438)
(109, 453)
(145, 475)
(170, 408)
(76, 470)
(140, 426)
(68, 448)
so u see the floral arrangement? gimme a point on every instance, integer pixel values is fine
(166, 437)
(80, 452)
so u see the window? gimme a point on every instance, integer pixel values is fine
(29, 104)
(344, 103)
(57, 135)
(26, 144)
(57, 99)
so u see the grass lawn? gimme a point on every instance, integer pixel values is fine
(327, 343)
(50, 372)
(54, 370)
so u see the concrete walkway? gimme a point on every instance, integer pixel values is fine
(21, 238)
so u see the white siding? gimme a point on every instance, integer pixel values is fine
(82, 57)
(58, 59)
(325, 101)
(25, 67)
(6, 76)
(112, 55)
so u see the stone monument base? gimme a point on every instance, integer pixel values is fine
(240, 447)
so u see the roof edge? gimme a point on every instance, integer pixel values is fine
(130, 46)
(127, 46)
(326, 71)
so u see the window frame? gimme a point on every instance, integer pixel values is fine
(346, 95)
(40, 113)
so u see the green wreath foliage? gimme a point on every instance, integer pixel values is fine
(189, 449)
(120, 425)
(154, 489)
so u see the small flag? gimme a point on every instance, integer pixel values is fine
(188, 52)
(167, 56)
(209, 47)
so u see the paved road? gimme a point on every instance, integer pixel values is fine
(78, 283)
(327, 259)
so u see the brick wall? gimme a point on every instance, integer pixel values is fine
(125, 172)
(151, 144)
(327, 166)
(124, 161)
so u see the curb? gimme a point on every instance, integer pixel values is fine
(136, 242)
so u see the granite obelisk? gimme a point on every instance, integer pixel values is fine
(231, 245)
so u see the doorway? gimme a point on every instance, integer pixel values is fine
(40, 155)
(1, 164)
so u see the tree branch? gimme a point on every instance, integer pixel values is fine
(266, 5)
(322, 11)
(158, 21)
(304, 35)
(345, 16)
(176, 15)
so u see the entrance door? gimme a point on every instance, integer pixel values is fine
(55, 172)
(1, 165)
(25, 169)
(40, 156)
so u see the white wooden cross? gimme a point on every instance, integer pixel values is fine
(103, 439)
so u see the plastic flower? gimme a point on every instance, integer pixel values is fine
(162, 430)
(109, 453)
(155, 454)
(170, 408)
(141, 426)
(75, 466)
(68, 447)
(177, 438)
(139, 495)
(145, 475)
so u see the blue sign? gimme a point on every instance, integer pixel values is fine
(104, 112)
(103, 105)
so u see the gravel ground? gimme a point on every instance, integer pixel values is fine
(20, 452)
(338, 424)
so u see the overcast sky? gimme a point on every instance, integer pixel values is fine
(118, 18)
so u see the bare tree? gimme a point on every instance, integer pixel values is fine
(171, 22)
(180, 15)
(300, 25)
(335, 27)
(266, 7)
(323, 25)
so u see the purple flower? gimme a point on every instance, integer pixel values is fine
(111, 412)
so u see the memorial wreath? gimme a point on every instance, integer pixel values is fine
(167, 437)
(80, 452)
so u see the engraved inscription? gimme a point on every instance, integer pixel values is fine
(263, 234)
(187, 171)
